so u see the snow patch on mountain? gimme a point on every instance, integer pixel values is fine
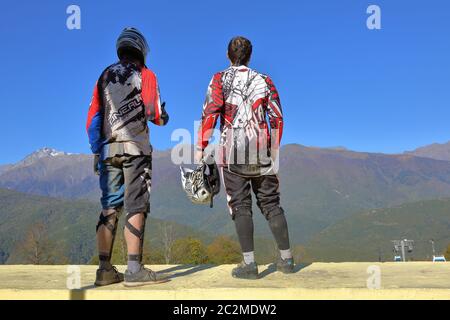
(45, 152)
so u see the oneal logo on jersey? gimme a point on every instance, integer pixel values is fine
(124, 110)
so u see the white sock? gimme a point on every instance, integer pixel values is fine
(249, 257)
(286, 254)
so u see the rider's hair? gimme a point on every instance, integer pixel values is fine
(239, 51)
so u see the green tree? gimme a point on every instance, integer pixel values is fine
(153, 255)
(189, 251)
(447, 254)
(223, 250)
(37, 248)
(168, 238)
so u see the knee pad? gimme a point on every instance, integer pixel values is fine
(272, 212)
(109, 220)
(138, 233)
(242, 211)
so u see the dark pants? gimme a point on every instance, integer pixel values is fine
(266, 189)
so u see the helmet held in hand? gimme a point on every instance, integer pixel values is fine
(200, 186)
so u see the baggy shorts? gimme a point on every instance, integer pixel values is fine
(125, 181)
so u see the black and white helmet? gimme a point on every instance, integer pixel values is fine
(134, 39)
(201, 187)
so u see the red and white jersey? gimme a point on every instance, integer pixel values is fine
(243, 99)
(125, 97)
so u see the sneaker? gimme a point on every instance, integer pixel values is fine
(143, 277)
(245, 271)
(106, 277)
(286, 266)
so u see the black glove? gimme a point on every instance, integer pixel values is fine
(164, 114)
(96, 161)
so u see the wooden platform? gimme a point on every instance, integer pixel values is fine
(412, 280)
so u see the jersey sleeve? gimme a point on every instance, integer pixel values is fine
(154, 110)
(212, 108)
(94, 122)
(274, 112)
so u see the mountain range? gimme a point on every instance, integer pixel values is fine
(320, 186)
(438, 151)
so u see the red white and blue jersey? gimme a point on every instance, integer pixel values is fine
(125, 97)
(243, 99)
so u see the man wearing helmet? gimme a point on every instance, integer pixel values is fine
(125, 97)
(243, 98)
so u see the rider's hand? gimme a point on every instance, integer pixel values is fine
(164, 114)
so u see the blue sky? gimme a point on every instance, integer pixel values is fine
(341, 84)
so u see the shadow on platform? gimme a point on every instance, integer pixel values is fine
(273, 268)
(189, 269)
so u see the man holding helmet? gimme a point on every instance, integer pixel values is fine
(243, 99)
(125, 97)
